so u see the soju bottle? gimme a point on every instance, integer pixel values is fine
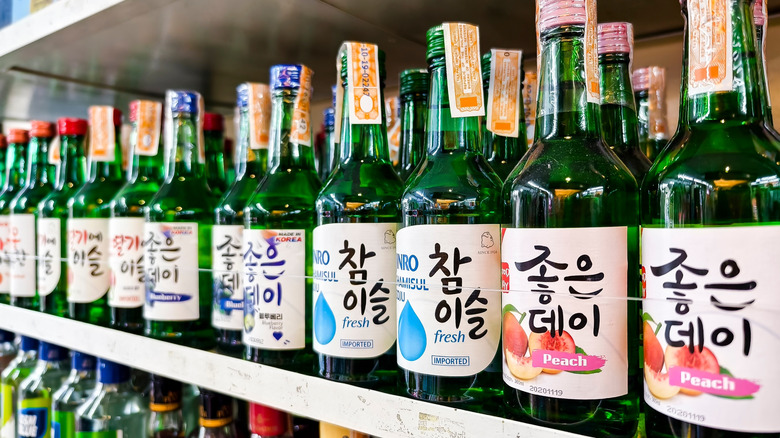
(39, 182)
(78, 387)
(329, 155)
(448, 261)
(278, 220)
(12, 376)
(34, 403)
(213, 135)
(414, 109)
(227, 314)
(53, 214)
(190, 408)
(113, 410)
(709, 227)
(649, 85)
(569, 250)
(3, 150)
(618, 110)
(761, 20)
(15, 168)
(503, 130)
(166, 419)
(8, 349)
(358, 216)
(126, 225)
(265, 422)
(216, 416)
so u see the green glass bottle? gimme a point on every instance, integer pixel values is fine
(571, 240)
(3, 150)
(213, 135)
(649, 85)
(358, 215)
(329, 155)
(15, 168)
(126, 225)
(414, 109)
(710, 220)
(761, 20)
(34, 403)
(177, 236)
(448, 331)
(227, 315)
(230, 161)
(619, 126)
(24, 208)
(53, 214)
(503, 152)
(278, 223)
(17, 370)
(78, 387)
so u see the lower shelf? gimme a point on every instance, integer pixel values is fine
(360, 409)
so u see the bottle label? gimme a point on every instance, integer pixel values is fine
(171, 267)
(449, 299)
(363, 93)
(88, 273)
(227, 307)
(54, 151)
(7, 424)
(354, 283)
(64, 424)
(464, 69)
(328, 430)
(592, 73)
(301, 123)
(126, 260)
(23, 272)
(504, 98)
(265, 421)
(102, 134)
(49, 255)
(259, 115)
(6, 252)
(275, 289)
(148, 128)
(710, 62)
(529, 102)
(564, 311)
(711, 294)
(34, 418)
(102, 434)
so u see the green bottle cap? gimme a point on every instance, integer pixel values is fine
(435, 41)
(415, 81)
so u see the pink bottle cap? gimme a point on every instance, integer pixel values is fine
(641, 79)
(615, 37)
(759, 13)
(556, 13)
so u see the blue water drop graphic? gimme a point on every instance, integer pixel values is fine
(324, 321)
(411, 334)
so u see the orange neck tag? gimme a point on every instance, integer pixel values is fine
(301, 124)
(503, 108)
(710, 64)
(54, 151)
(148, 128)
(392, 105)
(464, 70)
(592, 53)
(102, 135)
(259, 115)
(365, 97)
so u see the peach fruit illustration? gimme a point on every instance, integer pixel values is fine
(702, 360)
(658, 384)
(515, 339)
(520, 366)
(654, 353)
(544, 341)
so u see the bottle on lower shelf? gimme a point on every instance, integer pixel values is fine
(12, 376)
(166, 419)
(78, 387)
(35, 394)
(216, 416)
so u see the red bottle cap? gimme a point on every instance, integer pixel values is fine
(3, 143)
(20, 136)
(213, 122)
(759, 13)
(556, 13)
(615, 37)
(41, 128)
(71, 126)
(117, 117)
(640, 79)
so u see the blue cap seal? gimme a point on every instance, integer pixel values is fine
(6, 336)
(82, 362)
(242, 95)
(28, 344)
(51, 352)
(286, 76)
(330, 117)
(182, 101)
(335, 93)
(112, 372)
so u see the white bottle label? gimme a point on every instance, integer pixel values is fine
(49, 255)
(88, 273)
(227, 307)
(449, 298)
(171, 267)
(354, 289)
(23, 272)
(275, 289)
(5, 254)
(126, 259)
(564, 311)
(711, 325)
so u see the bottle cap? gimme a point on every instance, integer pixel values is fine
(71, 126)
(117, 117)
(182, 101)
(414, 81)
(51, 352)
(112, 372)
(329, 115)
(165, 395)
(556, 13)
(28, 344)
(6, 336)
(286, 76)
(213, 122)
(82, 362)
(215, 409)
(3, 143)
(615, 37)
(41, 128)
(759, 13)
(335, 93)
(18, 136)
(242, 95)
(434, 40)
(640, 79)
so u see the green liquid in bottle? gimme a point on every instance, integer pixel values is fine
(414, 109)
(16, 166)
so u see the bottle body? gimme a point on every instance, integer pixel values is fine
(34, 404)
(16, 167)
(12, 376)
(76, 390)
(110, 409)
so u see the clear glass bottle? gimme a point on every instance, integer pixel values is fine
(266, 422)
(213, 136)
(78, 387)
(12, 376)
(34, 403)
(8, 349)
(113, 410)
(216, 416)
(15, 168)
(414, 109)
(166, 419)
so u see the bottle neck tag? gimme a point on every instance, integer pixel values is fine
(504, 96)
(102, 135)
(259, 115)
(148, 128)
(710, 63)
(464, 70)
(301, 124)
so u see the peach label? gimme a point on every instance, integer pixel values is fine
(709, 46)
(363, 92)
(102, 136)
(560, 360)
(464, 69)
(259, 115)
(718, 384)
(591, 53)
(148, 127)
(504, 97)
(301, 124)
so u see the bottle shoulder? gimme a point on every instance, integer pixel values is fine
(26, 201)
(460, 175)
(183, 200)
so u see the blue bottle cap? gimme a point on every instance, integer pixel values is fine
(182, 101)
(330, 117)
(334, 92)
(6, 336)
(112, 372)
(51, 352)
(82, 362)
(286, 76)
(242, 95)
(29, 344)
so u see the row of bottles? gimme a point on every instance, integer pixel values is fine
(380, 280)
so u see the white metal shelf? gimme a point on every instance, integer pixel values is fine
(368, 411)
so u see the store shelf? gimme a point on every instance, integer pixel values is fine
(360, 409)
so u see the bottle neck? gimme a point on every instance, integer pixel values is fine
(447, 134)
(563, 110)
(284, 154)
(107, 170)
(37, 161)
(760, 51)
(619, 125)
(15, 166)
(54, 365)
(248, 161)
(215, 157)
(413, 107)
(81, 375)
(184, 160)
(71, 171)
(361, 143)
(144, 167)
(121, 387)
